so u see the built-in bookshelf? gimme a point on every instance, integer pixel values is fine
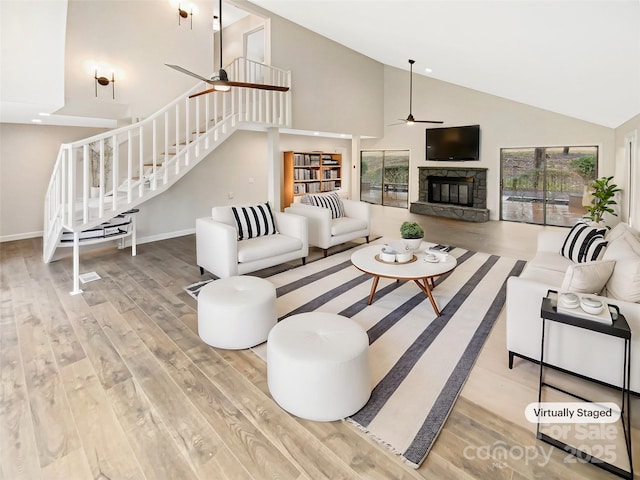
(310, 172)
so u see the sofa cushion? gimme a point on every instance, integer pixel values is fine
(551, 261)
(588, 277)
(553, 279)
(267, 246)
(584, 243)
(254, 221)
(332, 201)
(223, 215)
(620, 230)
(342, 225)
(624, 283)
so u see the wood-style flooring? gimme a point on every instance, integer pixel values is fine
(115, 383)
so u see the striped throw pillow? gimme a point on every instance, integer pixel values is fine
(332, 201)
(254, 221)
(596, 249)
(584, 243)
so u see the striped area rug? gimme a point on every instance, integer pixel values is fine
(419, 361)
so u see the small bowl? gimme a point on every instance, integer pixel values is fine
(387, 257)
(569, 300)
(404, 257)
(591, 305)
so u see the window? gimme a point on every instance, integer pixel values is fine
(546, 185)
(384, 177)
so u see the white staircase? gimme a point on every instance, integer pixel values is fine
(133, 164)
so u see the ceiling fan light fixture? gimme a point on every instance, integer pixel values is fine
(221, 81)
(410, 120)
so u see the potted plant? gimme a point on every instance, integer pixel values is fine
(603, 193)
(412, 235)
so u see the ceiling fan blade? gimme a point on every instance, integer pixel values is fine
(240, 84)
(428, 121)
(204, 92)
(260, 86)
(187, 72)
(395, 124)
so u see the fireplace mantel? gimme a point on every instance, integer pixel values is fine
(476, 212)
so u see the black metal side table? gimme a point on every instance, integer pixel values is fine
(619, 328)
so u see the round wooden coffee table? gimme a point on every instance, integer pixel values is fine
(419, 270)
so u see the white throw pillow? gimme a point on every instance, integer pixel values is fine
(620, 230)
(588, 277)
(624, 283)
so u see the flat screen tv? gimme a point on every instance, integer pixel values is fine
(453, 143)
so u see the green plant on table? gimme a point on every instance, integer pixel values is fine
(603, 193)
(411, 230)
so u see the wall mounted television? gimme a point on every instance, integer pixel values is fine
(453, 143)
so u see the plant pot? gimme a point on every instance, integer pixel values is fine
(94, 192)
(411, 244)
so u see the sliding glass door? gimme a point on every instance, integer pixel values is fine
(384, 177)
(546, 185)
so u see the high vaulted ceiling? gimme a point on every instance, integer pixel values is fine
(575, 57)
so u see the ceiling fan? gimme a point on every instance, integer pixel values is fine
(410, 120)
(221, 82)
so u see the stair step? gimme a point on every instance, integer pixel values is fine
(118, 225)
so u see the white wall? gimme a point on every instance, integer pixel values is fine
(622, 171)
(503, 123)
(238, 166)
(335, 89)
(27, 156)
(138, 38)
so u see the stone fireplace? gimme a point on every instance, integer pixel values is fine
(459, 193)
(450, 190)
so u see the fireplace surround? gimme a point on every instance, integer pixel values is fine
(459, 193)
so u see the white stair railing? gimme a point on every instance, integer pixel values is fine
(102, 176)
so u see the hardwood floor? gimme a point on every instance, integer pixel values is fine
(115, 383)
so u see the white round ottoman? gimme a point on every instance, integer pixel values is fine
(236, 312)
(318, 366)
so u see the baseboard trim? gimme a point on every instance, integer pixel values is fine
(21, 236)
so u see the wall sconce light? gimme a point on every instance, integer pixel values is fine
(104, 81)
(184, 14)
(216, 23)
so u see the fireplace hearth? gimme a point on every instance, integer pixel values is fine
(459, 193)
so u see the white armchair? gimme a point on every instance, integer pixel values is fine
(325, 232)
(219, 251)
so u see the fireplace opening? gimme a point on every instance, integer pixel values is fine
(450, 190)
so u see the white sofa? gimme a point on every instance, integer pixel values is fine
(580, 351)
(219, 251)
(326, 232)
